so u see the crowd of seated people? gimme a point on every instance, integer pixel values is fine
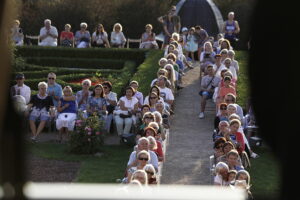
(146, 117)
(83, 38)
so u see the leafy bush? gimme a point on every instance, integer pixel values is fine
(147, 71)
(88, 135)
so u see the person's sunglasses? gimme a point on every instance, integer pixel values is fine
(223, 108)
(51, 78)
(149, 118)
(146, 159)
(220, 146)
(151, 173)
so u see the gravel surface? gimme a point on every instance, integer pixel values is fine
(46, 170)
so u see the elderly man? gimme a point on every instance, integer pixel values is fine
(143, 144)
(48, 34)
(20, 88)
(54, 90)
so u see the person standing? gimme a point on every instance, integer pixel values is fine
(48, 34)
(171, 23)
(20, 88)
(231, 28)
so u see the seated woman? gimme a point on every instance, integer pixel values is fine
(100, 37)
(148, 39)
(171, 76)
(160, 72)
(141, 176)
(83, 95)
(17, 34)
(96, 103)
(162, 62)
(221, 176)
(139, 116)
(222, 116)
(151, 133)
(40, 104)
(223, 130)
(147, 118)
(218, 145)
(160, 136)
(117, 38)
(142, 158)
(156, 90)
(111, 102)
(128, 105)
(67, 37)
(237, 137)
(67, 108)
(137, 94)
(151, 174)
(160, 107)
(226, 89)
(154, 98)
(82, 37)
(207, 57)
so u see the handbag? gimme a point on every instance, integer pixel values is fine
(122, 115)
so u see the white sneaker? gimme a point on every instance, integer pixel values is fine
(201, 115)
(254, 155)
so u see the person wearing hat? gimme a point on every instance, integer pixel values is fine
(20, 88)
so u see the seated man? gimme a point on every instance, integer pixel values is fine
(208, 84)
(143, 144)
(20, 88)
(48, 34)
(165, 93)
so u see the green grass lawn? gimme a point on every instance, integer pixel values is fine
(105, 169)
(264, 172)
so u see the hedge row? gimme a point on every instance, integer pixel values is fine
(119, 79)
(147, 71)
(137, 55)
(86, 63)
(41, 71)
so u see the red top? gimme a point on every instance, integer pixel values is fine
(224, 91)
(68, 35)
(240, 139)
(159, 151)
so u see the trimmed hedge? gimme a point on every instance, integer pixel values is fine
(138, 55)
(75, 62)
(44, 71)
(148, 71)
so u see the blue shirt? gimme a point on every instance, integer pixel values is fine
(57, 92)
(72, 108)
(96, 104)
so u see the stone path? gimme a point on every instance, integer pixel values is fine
(190, 140)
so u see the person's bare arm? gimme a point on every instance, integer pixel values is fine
(237, 27)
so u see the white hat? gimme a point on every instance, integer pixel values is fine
(184, 29)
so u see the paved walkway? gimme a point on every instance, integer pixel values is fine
(190, 139)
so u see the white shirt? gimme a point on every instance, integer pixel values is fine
(112, 96)
(153, 159)
(166, 93)
(24, 91)
(117, 38)
(100, 38)
(129, 103)
(48, 41)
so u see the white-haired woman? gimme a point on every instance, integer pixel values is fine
(67, 114)
(83, 36)
(142, 158)
(83, 95)
(221, 176)
(141, 176)
(152, 178)
(171, 76)
(39, 105)
(117, 38)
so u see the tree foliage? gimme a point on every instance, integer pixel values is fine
(132, 14)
